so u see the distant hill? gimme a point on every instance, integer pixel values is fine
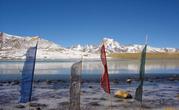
(15, 47)
(163, 55)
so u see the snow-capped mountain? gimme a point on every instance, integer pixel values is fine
(113, 46)
(16, 42)
(86, 48)
(15, 47)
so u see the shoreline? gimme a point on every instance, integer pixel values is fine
(52, 95)
(85, 59)
(95, 77)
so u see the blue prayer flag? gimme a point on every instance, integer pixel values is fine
(28, 74)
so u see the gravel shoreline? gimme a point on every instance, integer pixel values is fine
(158, 94)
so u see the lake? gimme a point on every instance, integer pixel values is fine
(45, 70)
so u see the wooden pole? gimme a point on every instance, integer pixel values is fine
(110, 99)
(28, 104)
(75, 86)
(146, 39)
(141, 106)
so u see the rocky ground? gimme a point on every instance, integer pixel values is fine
(54, 95)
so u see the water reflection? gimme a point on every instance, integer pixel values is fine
(94, 67)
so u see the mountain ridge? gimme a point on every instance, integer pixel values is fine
(113, 46)
(15, 47)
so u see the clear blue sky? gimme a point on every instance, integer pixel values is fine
(69, 22)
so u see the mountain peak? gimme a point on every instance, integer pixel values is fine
(108, 40)
(110, 43)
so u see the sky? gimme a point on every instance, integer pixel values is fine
(71, 22)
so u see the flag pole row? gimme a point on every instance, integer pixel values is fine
(75, 78)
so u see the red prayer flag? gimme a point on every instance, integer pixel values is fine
(105, 77)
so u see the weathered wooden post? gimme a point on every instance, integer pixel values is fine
(75, 80)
